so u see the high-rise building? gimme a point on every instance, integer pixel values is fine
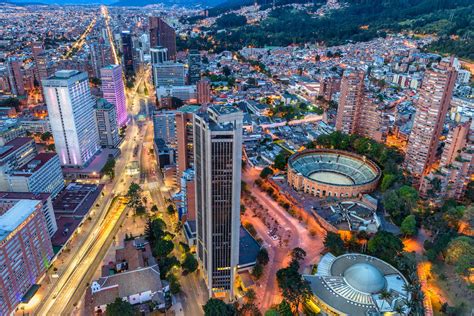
(15, 76)
(194, 66)
(127, 52)
(107, 126)
(161, 34)
(164, 126)
(432, 106)
(217, 164)
(203, 88)
(113, 89)
(184, 138)
(350, 101)
(42, 66)
(168, 74)
(25, 250)
(71, 115)
(47, 205)
(371, 121)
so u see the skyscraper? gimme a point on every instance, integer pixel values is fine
(114, 91)
(168, 74)
(15, 76)
(203, 88)
(127, 52)
(184, 138)
(164, 126)
(158, 55)
(71, 115)
(350, 102)
(194, 66)
(106, 118)
(432, 106)
(218, 163)
(161, 34)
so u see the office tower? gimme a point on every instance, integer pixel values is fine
(9, 130)
(25, 250)
(168, 74)
(187, 205)
(186, 94)
(184, 138)
(71, 115)
(159, 55)
(432, 106)
(106, 119)
(203, 88)
(161, 34)
(16, 153)
(15, 76)
(350, 102)
(194, 66)
(164, 126)
(127, 52)
(113, 89)
(217, 164)
(42, 66)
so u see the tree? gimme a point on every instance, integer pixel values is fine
(262, 257)
(385, 246)
(175, 287)
(266, 172)
(387, 181)
(298, 254)
(226, 71)
(171, 209)
(154, 208)
(284, 309)
(134, 194)
(46, 136)
(280, 161)
(216, 307)
(189, 263)
(293, 287)
(408, 226)
(257, 271)
(119, 308)
(163, 248)
(109, 168)
(334, 243)
(230, 20)
(166, 264)
(460, 253)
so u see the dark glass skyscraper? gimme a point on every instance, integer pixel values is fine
(127, 52)
(194, 64)
(161, 34)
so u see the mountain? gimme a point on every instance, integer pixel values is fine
(185, 3)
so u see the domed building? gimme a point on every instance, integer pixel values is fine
(357, 284)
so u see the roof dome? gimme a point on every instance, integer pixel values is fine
(365, 278)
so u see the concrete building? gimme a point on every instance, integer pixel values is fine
(25, 250)
(158, 54)
(218, 163)
(47, 206)
(9, 130)
(168, 74)
(203, 88)
(350, 102)
(106, 119)
(187, 205)
(371, 122)
(194, 66)
(164, 126)
(114, 91)
(161, 34)
(432, 107)
(42, 174)
(15, 154)
(184, 138)
(184, 93)
(15, 76)
(353, 284)
(71, 115)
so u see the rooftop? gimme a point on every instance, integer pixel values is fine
(13, 145)
(16, 215)
(35, 164)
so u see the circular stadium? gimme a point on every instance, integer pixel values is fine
(336, 173)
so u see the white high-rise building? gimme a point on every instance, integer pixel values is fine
(114, 91)
(218, 164)
(71, 115)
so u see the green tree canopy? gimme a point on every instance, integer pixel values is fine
(334, 243)
(189, 263)
(385, 246)
(460, 253)
(119, 308)
(216, 307)
(408, 227)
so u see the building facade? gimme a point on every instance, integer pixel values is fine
(161, 34)
(168, 74)
(113, 89)
(127, 52)
(350, 102)
(203, 88)
(71, 115)
(432, 106)
(25, 250)
(164, 126)
(106, 118)
(184, 138)
(218, 163)
(194, 66)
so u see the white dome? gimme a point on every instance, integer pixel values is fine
(365, 278)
